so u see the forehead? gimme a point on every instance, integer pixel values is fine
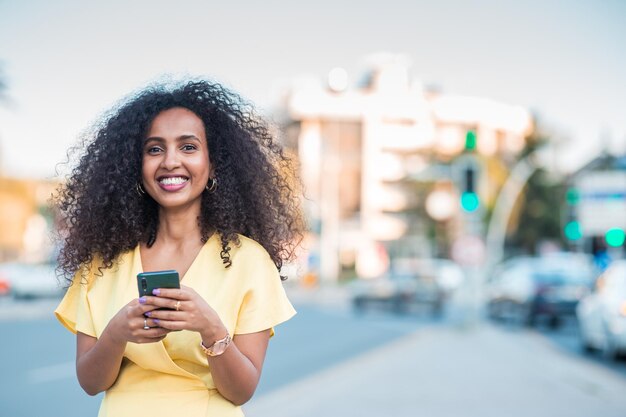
(176, 121)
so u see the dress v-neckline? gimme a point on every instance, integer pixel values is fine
(193, 262)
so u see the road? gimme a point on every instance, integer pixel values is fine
(451, 369)
(567, 338)
(37, 377)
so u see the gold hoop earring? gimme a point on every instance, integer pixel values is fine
(139, 189)
(211, 186)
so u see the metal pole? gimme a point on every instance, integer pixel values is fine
(496, 230)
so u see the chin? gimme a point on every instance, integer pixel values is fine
(170, 203)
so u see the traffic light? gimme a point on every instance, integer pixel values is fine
(573, 231)
(470, 141)
(572, 196)
(615, 237)
(469, 198)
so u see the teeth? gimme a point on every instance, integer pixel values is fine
(173, 181)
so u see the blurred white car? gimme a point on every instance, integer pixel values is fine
(400, 293)
(29, 281)
(448, 275)
(602, 314)
(525, 288)
(412, 283)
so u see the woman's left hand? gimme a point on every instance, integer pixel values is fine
(189, 311)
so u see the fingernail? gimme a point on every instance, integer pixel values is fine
(147, 313)
(142, 300)
(156, 321)
(156, 291)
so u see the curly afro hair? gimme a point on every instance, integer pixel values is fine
(103, 215)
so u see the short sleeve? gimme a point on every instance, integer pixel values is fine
(265, 303)
(74, 311)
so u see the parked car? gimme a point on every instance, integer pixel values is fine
(602, 314)
(5, 286)
(29, 281)
(528, 288)
(419, 284)
(448, 275)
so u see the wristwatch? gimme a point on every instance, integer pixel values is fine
(218, 347)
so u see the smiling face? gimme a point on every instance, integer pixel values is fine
(175, 163)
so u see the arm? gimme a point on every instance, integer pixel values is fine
(98, 361)
(237, 371)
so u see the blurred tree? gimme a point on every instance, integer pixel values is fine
(540, 213)
(539, 210)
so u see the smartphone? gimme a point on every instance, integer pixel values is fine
(148, 281)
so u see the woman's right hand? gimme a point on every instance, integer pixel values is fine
(98, 360)
(128, 325)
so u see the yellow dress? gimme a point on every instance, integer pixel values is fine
(172, 377)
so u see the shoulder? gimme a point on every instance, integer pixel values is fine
(248, 247)
(96, 270)
(251, 258)
(88, 271)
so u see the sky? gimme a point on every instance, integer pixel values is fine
(67, 62)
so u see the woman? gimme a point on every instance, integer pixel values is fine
(185, 179)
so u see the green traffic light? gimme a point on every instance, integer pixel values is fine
(615, 237)
(470, 201)
(470, 140)
(573, 230)
(572, 196)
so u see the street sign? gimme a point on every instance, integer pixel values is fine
(602, 202)
(468, 250)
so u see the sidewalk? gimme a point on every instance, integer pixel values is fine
(443, 372)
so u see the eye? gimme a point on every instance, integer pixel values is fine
(188, 147)
(153, 150)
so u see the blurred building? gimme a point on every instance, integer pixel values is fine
(381, 163)
(25, 219)
(595, 216)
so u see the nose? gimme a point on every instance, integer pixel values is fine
(170, 160)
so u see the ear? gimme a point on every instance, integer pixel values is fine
(211, 169)
(211, 166)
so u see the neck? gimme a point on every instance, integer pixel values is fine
(179, 226)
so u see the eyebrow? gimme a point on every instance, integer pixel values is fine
(178, 139)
